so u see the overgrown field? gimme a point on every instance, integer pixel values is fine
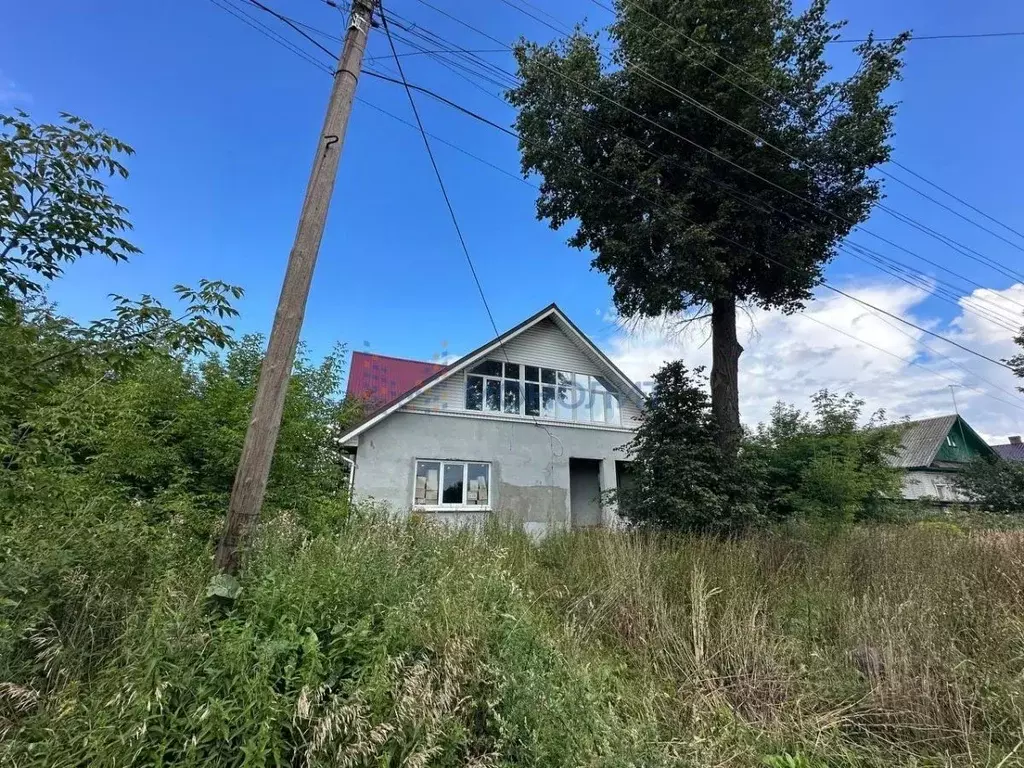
(389, 643)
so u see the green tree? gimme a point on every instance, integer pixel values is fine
(994, 485)
(54, 205)
(675, 228)
(825, 465)
(677, 477)
(1017, 361)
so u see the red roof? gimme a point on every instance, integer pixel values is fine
(379, 379)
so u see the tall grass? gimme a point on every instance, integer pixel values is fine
(398, 643)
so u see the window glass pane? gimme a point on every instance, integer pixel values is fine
(532, 373)
(452, 493)
(511, 396)
(478, 488)
(547, 376)
(597, 411)
(474, 393)
(563, 403)
(532, 399)
(492, 392)
(565, 378)
(611, 408)
(427, 477)
(600, 384)
(548, 402)
(583, 397)
(487, 368)
(511, 370)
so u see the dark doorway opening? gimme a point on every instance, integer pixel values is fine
(585, 493)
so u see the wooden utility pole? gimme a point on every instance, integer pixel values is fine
(261, 436)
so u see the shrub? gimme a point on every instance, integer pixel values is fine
(826, 466)
(994, 485)
(678, 478)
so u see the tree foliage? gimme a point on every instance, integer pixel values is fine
(678, 480)
(54, 205)
(1017, 361)
(136, 406)
(647, 153)
(994, 485)
(825, 465)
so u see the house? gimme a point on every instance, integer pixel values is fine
(932, 451)
(1011, 451)
(532, 426)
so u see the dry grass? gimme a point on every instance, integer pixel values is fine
(404, 644)
(887, 644)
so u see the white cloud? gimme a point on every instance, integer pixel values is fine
(790, 357)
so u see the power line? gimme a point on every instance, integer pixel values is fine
(727, 239)
(969, 36)
(783, 99)
(941, 294)
(697, 145)
(948, 297)
(267, 32)
(958, 199)
(437, 172)
(907, 360)
(991, 317)
(471, 113)
(418, 53)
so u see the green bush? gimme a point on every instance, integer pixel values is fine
(400, 643)
(826, 466)
(994, 485)
(678, 478)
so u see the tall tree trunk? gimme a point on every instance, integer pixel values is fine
(725, 369)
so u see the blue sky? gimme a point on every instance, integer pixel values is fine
(224, 123)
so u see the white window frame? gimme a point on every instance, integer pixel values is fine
(522, 383)
(462, 506)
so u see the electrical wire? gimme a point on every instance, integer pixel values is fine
(898, 329)
(910, 361)
(784, 100)
(823, 283)
(987, 315)
(729, 240)
(712, 152)
(437, 172)
(969, 36)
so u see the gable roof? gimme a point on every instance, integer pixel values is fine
(552, 311)
(379, 379)
(1010, 451)
(921, 440)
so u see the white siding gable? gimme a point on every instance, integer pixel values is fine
(543, 344)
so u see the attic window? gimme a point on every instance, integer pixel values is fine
(950, 441)
(528, 390)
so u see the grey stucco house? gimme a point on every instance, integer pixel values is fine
(530, 426)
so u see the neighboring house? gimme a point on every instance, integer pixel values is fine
(531, 426)
(932, 451)
(1011, 451)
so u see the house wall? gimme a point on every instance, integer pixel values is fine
(529, 463)
(918, 484)
(543, 344)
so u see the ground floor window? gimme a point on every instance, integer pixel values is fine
(450, 484)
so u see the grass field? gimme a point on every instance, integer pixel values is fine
(403, 644)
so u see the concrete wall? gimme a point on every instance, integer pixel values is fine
(936, 485)
(529, 466)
